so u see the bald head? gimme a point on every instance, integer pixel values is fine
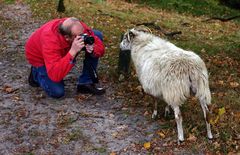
(71, 27)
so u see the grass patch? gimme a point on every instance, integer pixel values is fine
(9, 1)
(210, 8)
(100, 150)
(75, 135)
(30, 153)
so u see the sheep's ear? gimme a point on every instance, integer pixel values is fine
(130, 35)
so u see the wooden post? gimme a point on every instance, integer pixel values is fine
(124, 62)
(61, 7)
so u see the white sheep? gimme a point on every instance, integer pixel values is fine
(169, 73)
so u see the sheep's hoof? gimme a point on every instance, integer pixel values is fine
(180, 141)
(154, 115)
(210, 136)
(210, 139)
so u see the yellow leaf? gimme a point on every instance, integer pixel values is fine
(113, 153)
(162, 135)
(147, 145)
(221, 111)
(214, 121)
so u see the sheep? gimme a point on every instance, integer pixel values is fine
(169, 73)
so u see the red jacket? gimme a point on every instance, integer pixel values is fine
(47, 47)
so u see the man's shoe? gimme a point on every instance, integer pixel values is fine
(90, 89)
(31, 81)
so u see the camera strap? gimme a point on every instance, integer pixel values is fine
(93, 74)
(92, 71)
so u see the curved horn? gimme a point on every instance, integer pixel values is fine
(143, 29)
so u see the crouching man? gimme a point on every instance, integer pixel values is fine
(51, 50)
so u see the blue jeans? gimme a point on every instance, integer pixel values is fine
(56, 89)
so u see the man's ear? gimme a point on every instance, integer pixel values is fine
(67, 37)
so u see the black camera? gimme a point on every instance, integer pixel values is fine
(87, 39)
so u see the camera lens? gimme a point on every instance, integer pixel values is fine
(89, 40)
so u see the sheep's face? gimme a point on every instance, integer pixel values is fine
(127, 39)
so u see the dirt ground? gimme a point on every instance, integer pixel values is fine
(33, 123)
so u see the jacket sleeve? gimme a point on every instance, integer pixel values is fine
(57, 65)
(99, 48)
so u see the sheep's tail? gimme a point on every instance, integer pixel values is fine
(200, 85)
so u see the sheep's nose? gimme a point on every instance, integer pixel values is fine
(121, 45)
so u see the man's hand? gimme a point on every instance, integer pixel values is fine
(89, 48)
(77, 45)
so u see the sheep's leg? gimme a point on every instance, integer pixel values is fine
(167, 111)
(178, 118)
(154, 114)
(206, 113)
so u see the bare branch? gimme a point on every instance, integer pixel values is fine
(222, 19)
(152, 24)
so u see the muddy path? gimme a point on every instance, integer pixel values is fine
(31, 122)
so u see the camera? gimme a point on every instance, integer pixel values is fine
(87, 39)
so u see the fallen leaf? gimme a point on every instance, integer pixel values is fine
(221, 94)
(104, 79)
(194, 129)
(139, 88)
(221, 111)
(121, 77)
(16, 98)
(237, 115)
(8, 89)
(214, 121)
(146, 113)
(192, 138)
(220, 82)
(114, 134)
(147, 145)
(111, 115)
(113, 153)
(216, 145)
(81, 98)
(162, 135)
(234, 84)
